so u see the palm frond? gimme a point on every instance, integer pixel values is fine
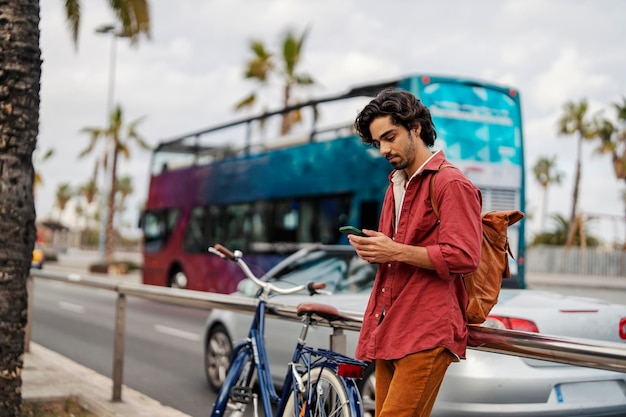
(134, 16)
(72, 15)
(246, 102)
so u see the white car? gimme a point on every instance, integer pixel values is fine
(485, 384)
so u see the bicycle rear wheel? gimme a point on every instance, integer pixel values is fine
(325, 395)
(237, 392)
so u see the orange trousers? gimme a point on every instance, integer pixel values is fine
(408, 387)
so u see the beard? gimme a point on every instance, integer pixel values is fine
(399, 163)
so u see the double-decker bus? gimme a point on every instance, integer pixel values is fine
(231, 184)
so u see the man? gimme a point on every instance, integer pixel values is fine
(415, 323)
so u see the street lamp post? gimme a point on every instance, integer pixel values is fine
(115, 33)
(110, 29)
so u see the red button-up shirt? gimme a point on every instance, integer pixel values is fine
(423, 308)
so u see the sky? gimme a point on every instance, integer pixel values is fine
(189, 75)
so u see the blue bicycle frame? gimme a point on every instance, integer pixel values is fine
(304, 358)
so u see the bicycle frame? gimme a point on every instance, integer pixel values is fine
(255, 346)
(304, 360)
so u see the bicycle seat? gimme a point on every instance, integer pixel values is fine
(325, 311)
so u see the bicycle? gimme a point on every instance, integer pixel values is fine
(318, 382)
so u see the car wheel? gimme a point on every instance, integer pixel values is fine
(367, 387)
(217, 355)
(178, 279)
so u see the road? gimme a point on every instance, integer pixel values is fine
(163, 350)
(163, 345)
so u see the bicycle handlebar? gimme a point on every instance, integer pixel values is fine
(236, 256)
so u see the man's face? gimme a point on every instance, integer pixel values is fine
(396, 143)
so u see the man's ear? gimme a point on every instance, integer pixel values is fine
(417, 130)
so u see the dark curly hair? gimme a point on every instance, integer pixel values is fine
(405, 110)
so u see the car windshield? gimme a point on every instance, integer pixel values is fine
(341, 272)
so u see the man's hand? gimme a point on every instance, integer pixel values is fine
(379, 248)
(376, 247)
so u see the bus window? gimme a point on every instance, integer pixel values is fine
(238, 226)
(157, 227)
(197, 234)
(333, 213)
(286, 218)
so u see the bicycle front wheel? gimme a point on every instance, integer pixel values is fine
(237, 392)
(325, 395)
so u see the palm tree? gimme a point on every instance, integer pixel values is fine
(20, 61)
(574, 120)
(124, 189)
(88, 191)
(263, 65)
(63, 195)
(546, 174)
(559, 235)
(112, 134)
(612, 139)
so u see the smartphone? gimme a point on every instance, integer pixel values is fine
(351, 230)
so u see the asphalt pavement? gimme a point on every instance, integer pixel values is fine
(49, 376)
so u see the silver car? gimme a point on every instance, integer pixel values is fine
(485, 384)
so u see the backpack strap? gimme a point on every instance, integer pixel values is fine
(432, 188)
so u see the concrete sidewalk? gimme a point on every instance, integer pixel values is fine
(572, 280)
(48, 376)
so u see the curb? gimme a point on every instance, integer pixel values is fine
(48, 376)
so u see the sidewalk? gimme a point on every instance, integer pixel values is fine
(48, 376)
(595, 281)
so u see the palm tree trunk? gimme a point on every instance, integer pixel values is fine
(110, 237)
(285, 126)
(20, 75)
(572, 217)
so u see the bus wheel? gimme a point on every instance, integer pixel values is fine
(178, 279)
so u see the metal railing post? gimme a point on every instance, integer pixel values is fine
(118, 351)
(338, 341)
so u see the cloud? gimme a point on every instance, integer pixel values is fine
(569, 75)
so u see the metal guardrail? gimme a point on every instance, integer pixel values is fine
(573, 351)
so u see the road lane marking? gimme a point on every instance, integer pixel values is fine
(74, 308)
(171, 331)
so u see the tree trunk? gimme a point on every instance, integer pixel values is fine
(572, 218)
(20, 74)
(110, 236)
(285, 126)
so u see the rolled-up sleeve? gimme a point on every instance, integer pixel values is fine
(460, 229)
